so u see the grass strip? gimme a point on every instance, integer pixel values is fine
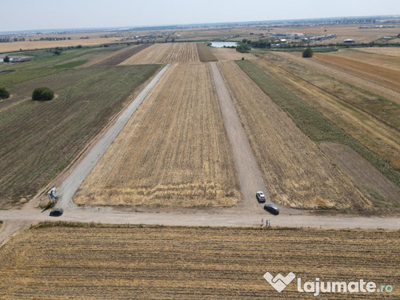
(205, 53)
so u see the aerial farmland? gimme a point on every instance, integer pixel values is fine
(157, 142)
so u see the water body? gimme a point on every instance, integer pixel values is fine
(223, 44)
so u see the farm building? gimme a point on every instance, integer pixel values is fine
(348, 41)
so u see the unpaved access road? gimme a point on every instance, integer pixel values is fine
(249, 174)
(75, 179)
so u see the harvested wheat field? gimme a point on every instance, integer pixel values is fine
(363, 174)
(295, 171)
(379, 75)
(389, 51)
(380, 60)
(343, 76)
(16, 46)
(230, 54)
(355, 111)
(104, 262)
(174, 152)
(165, 54)
(120, 56)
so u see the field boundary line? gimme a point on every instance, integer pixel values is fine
(79, 174)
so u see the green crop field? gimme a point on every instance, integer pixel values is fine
(39, 139)
(314, 124)
(205, 53)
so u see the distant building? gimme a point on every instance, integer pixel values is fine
(348, 41)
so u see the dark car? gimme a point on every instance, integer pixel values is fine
(272, 209)
(260, 197)
(56, 212)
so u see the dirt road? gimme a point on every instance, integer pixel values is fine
(249, 174)
(75, 179)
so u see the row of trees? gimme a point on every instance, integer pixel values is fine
(263, 43)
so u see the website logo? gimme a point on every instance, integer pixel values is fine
(279, 282)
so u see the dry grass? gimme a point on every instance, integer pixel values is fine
(373, 58)
(9, 47)
(342, 76)
(295, 170)
(164, 54)
(224, 54)
(191, 263)
(205, 53)
(379, 75)
(120, 56)
(389, 51)
(335, 99)
(173, 153)
(364, 175)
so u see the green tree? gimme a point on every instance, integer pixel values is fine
(308, 52)
(6, 59)
(243, 48)
(4, 94)
(42, 94)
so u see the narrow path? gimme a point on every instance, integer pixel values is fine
(249, 174)
(74, 180)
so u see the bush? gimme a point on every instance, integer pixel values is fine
(6, 59)
(42, 94)
(308, 52)
(4, 94)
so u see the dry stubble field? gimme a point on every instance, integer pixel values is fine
(295, 171)
(230, 54)
(165, 53)
(104, 262)
(174, 152)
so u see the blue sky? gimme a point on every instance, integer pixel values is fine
(49, 14)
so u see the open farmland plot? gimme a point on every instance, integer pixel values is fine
(164, 54)
(343, 76)
(389, 51)
(205, 53)
(373, 58)
(230, 54)
(173, 152)
(371, 119)
(314, 124)
(121, 56)
(39, 139)
(106, 262)
(379, 75)
(295, 171)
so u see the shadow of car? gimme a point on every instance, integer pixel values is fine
(56, 212)
(272, 209)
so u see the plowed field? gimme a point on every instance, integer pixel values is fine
(165, 53)
(174, 151)
(192, 263)
(295, 170)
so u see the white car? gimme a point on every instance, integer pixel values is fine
(260, 197)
